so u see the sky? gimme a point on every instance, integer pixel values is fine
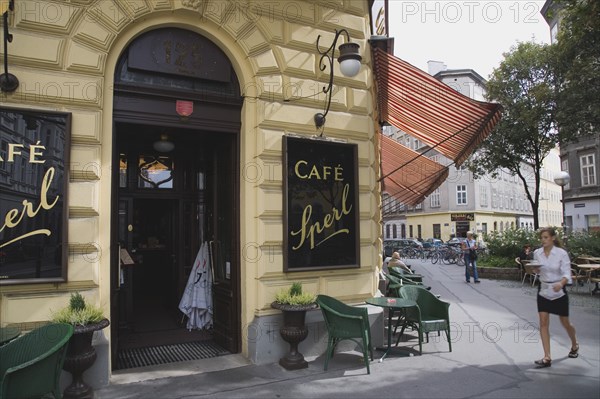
(464, 34)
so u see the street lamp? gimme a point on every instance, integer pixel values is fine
(563, 178)
(349, 60)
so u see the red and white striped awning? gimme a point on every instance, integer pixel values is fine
(430, 110)
(409, 176)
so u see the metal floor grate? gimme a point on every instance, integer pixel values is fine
(151, 356)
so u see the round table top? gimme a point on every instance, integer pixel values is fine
(389, 302)
(589, 266)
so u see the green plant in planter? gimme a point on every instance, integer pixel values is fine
(81, 354)
(78, 312)
(294, 296)
(294, 304)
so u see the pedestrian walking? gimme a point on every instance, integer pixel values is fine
(552, 298)
(469, 248)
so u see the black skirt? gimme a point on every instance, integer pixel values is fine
(558, 306)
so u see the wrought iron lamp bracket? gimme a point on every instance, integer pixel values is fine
(8, 81)
(348, 50)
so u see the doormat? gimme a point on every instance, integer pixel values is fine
(155, 355)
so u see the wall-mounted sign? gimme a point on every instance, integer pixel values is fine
(462, 217)
(379, 18)
(34, 159)
(321, 221)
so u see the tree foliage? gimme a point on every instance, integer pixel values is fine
(525, 85)
(578, 67)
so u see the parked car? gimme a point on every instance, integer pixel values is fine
(389, 246)
(432, 242)
(411, 242)
(456, 241)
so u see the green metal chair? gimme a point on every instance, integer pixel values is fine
(30, 366)
(398, 272)
(396, 282)
(431, 314)
(345, 322)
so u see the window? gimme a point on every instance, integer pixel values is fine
(122, 170)
(434, 198)
(155, 171)
(588, 170)
(483, 197)
(461, 194)
(593, 222)
(387, 230)
(394, 231)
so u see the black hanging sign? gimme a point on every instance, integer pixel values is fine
(321, 220)
(34, 174)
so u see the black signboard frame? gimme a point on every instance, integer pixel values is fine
(320, 205)
(34, 213)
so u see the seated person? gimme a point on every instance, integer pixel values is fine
(396, 262)
(526, 253)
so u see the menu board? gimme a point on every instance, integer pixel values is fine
(34, 159)
(321, 219)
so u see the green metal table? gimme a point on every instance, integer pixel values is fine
(392, 304)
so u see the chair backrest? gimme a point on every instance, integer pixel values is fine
(518, 262)
(529, 269)
(343, 320)
(30, 365)
(428, 303)
(418, 294)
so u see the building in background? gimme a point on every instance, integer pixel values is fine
(581, 160)
(463, 203)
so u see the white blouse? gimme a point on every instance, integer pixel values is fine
(554, 267)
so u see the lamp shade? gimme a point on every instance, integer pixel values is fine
(562, 178)
(349, 59)
(164, 144)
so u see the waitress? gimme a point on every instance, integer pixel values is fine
(555, 274)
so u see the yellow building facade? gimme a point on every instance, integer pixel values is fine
(66, 55)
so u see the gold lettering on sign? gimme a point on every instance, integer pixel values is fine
(318, 174)
(309, 229)
(15, 216)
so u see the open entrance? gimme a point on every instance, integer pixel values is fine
(175, 187)
(169, 204)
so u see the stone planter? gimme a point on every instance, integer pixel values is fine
(499, 273)
(80, 357)
(294, 331)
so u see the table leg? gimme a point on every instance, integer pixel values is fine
(389, 343)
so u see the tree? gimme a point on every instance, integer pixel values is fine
(525, 85)
(578, 63)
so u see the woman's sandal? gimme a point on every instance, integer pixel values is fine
(574, 352)
(543, 363)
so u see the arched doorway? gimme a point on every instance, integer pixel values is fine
(174, 86)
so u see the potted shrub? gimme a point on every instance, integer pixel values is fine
(294, 303)
(85, 319)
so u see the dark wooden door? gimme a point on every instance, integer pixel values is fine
(223, 228)
(120, 275)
